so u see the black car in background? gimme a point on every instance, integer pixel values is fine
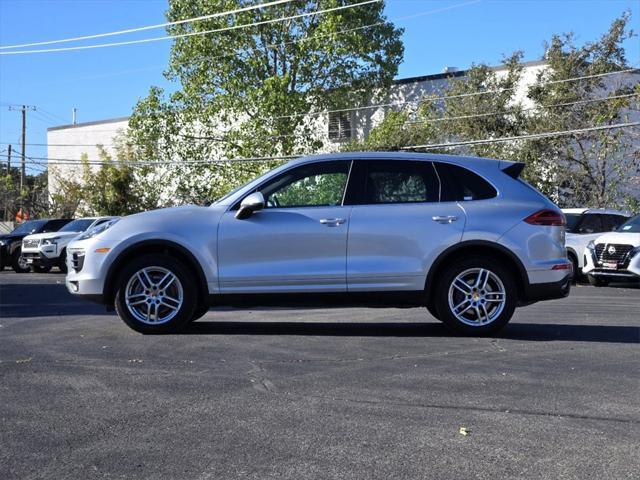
(11, 243)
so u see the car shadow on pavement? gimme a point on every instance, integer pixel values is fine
(517, 331)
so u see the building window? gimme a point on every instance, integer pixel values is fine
(340, 126)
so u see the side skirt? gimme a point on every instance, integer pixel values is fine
(407, 299)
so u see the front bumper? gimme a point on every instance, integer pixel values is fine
(626, 271)
(39, 259)
(85, 276)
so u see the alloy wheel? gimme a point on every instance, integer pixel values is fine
(477, 297)
(154, 295)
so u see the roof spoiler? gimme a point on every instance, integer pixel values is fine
(513, 169)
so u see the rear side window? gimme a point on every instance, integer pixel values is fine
(461, 184)
(399, 181)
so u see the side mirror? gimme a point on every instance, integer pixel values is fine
(251, 203)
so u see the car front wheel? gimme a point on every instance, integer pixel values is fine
(156, 294)
(476, 296)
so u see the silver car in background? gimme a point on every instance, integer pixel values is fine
(464, 237)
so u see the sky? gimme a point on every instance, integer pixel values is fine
(106, 83)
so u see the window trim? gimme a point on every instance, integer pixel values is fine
(257, 188)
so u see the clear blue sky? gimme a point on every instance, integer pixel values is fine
(105, 83)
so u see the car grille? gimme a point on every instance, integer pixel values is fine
(77, 260)
(612, 252)
(30, 243)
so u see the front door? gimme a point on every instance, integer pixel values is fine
(297, 243)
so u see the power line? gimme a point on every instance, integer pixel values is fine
(184, 35)
(561, 133)
(150, 27)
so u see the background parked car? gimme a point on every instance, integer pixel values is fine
(585, 225)
(614, 256)
(11, 243)
(41, 251)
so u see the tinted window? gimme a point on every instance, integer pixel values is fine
(461, 184)
(572, 221)
(79, 225)
(397, 181)
(30, 226)
(55, 225)
(612, 222)
(315, 185)
(591, 224)
(632, 225)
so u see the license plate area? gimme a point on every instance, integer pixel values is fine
(610, 265)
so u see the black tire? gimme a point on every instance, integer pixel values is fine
(62, 261)
(577, 274)
(497, 313)
(40, 268)
(18, 264)
(597, 282)
(182, 315)
(432, 310)
(199, 312)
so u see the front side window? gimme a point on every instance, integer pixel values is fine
(612, 222)
(461, 184)
(79, 225)
(399, 181)
(591, 224)
(316, 185)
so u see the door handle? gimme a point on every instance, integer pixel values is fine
(444, 218)
(332, 222)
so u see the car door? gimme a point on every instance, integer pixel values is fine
(297, 242)
(397, 226)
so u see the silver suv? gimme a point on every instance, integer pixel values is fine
(462, 236)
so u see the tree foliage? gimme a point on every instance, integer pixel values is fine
(245, 92)
(595, 169)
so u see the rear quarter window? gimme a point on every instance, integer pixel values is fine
(461, 184)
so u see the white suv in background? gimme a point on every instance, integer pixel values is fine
(41, 251)
(584, 225)
(615, 256)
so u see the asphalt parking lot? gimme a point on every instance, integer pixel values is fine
(338, 394)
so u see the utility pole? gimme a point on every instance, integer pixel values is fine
(23, 110)
(6, 197)
(9, 161)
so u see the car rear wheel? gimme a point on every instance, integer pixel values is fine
(577, 274)
(62, 261)
(476, 296)
(156, 294)
(18, 263)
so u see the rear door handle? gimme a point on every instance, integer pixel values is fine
(332, 222)
(444, 218)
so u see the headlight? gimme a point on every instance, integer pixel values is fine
(3, 243)
(634, 251)
(98, 230)
(50, 241)
(592, 246)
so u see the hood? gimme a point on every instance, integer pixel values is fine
(44, 236)
(9, 237)
(625, 238)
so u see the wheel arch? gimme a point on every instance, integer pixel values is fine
(478, 247)
(145, 247)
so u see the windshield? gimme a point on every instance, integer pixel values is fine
(31, 226)
(79, 225)
(632, 226)
(572, 221)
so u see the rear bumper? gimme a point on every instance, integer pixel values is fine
(534, 292)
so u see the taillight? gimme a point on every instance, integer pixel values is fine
(547, 217)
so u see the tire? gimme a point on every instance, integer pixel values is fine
(143, 282)
(577, 274)
(18, 264)
(199, 312)
(40, 268)
(496, 302)
(597, 282)
(62, 261)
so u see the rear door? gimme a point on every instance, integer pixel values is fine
(397, 226)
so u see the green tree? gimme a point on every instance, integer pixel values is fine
(245, 92)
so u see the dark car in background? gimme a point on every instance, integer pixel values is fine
(11, 243)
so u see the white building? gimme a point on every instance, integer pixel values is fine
(70, 142)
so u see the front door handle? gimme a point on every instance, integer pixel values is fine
(332, 222)
(444, 218)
